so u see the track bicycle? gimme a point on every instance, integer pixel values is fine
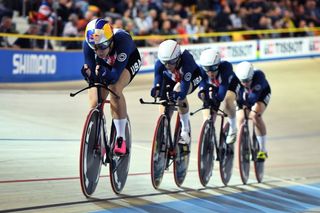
(165, 148)
(211, 149)
(96, 149)
(248, 150)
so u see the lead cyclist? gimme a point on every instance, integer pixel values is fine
(110, 56)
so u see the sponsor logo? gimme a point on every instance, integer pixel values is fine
(122, 57)
(38, 64)
(314, 45)
(187, 76)
(284, 47)
(257, 87)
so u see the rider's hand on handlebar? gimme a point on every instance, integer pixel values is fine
(172, 95)
(211, 103)
(155, 91)
(104, 75)
(202, 94)
(86, 72)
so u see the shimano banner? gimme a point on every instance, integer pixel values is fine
(39, 66)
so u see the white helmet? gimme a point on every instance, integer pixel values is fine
(169, 50)
(244, 71)
(210, 59)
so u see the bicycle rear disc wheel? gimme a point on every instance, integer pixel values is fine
(226, 152)
(90, 153)
(206, 152)
(258, 165)
(244, 153)
(119, 165)
(159, 152)
(181, 162)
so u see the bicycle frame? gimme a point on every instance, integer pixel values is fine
(212, 117)
(253, 148)
(95, 146)
(166, 150)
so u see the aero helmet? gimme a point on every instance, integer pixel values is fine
(244, 71)
(99, 34)
(210, 59)
(169, 52)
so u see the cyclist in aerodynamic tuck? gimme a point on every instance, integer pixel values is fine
(110, 57)
(255, 94)
(176, 75)
(219, 84)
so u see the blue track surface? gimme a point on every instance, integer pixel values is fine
(285, 199)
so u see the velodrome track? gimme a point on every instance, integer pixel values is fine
(39, 148)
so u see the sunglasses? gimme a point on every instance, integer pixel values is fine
(102, 46)
(212, 68)
(170, 62)
(247, 80)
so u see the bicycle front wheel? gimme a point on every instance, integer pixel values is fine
(244, 153)
(181, 162)
(159, 151)
(206, 150)
(119, 165)
(90, 153)
(226, 152)
(258, 165)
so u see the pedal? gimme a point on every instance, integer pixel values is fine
(185, 150)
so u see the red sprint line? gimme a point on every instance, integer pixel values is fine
(70, 178)
(58, 179)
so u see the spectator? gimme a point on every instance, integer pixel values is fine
(5, 27)
(28, 43)
(223, 23)
(71, 30)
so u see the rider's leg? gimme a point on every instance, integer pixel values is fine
(260, 127)
(119, 109)
(239, 117)
(93, 97)
(230, 109)
(184, 115)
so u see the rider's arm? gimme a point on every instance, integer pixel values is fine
(89, 57)
(124, 46)
(258, 84)
(203, 85)
(226, 77)
(158, 73)
(188, 67)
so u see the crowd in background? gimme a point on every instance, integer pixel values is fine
(157, 17)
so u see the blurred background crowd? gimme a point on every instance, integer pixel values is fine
(68, 18)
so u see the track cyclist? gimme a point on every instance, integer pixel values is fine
(255, 94)
(110, 56)
(179, 70)
(218, 77)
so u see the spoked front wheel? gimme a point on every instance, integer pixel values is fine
(90, 153)
(119, 165)
(181, 162)
(159, 151)
(206, 153)
(258, 164)
(226, 152)
(244, 153)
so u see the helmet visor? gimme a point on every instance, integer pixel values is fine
(102, 46)
(212, 68)
(246, 80)
(170, 62)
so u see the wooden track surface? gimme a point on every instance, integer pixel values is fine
(39, 148)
